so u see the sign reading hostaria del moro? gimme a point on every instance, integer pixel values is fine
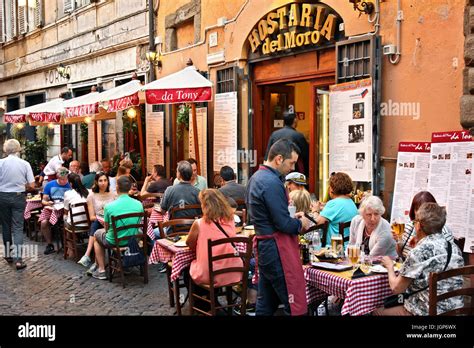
(292, 27)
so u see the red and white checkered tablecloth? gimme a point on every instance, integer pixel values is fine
(51, 215)
(30, 206)
(155, 217)
(361, 296)
(181, 257)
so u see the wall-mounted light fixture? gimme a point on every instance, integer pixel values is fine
(20, 125)
(131, 113)
(154, 58)
(62, 71)
(363, 6)
(87, 119)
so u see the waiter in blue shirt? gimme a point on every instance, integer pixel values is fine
(16, 177)
(278, 257)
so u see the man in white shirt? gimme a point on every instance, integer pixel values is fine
(56, 162)
(16, 177)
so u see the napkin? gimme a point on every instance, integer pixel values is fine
(358, 274)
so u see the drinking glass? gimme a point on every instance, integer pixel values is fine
(337, 245)
(353, 253)
(398, 227)
(365, 264)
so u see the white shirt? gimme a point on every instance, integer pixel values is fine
(15, 173)
(72, 197)
(53, 164)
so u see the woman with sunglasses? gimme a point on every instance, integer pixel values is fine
(96, 202)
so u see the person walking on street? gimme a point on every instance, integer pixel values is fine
(16, 177)
(280, 271)
(289, 132)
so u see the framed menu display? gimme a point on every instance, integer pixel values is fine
(155, 138)
(413, 163)
(350, 129)
(201, 117)
(225, 131)
(450, 177)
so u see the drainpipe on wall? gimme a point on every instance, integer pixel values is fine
(151, 32)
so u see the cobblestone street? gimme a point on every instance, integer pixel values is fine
(54, 286)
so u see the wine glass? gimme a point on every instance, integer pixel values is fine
(365, 264)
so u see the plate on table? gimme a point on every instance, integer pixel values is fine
(380, 269)
(181, 242)
(332, 266)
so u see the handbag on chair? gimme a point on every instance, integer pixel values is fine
(133, 255)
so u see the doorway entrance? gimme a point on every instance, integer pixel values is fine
(302, 82)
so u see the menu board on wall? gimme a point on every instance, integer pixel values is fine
(450, 177)
(91, 143)
(350, 129)
(225, 131)
(155, 138)
(469, 243)
(413, 165)
(201, 118)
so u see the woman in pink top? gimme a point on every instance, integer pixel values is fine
(215, 208)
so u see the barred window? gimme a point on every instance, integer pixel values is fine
(226, 80)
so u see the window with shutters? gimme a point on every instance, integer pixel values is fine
(10, 20)
(71, 5)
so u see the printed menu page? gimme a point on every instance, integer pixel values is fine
(350, 129)
(450, 177)
(411, 177)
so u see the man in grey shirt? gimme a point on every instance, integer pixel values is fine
(231, 188)
(182, 193)
(16, 176)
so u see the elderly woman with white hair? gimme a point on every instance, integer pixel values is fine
(371, 231)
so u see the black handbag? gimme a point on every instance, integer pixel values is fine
(133, 255)
(399, 299)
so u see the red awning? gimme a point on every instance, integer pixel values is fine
(185, 86)
(15, 118)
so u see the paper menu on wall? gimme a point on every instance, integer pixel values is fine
(413, 162)
(350, 129)
(450, 177)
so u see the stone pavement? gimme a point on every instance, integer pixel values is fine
(54, 286)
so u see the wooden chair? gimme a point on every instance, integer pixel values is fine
(80, 226)
(115, 253)
(434, 298)
(188, 211)
(227, 289)
(183, 226)
(342, 227)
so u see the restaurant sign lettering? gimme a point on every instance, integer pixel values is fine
(293, 26)
(178, 95)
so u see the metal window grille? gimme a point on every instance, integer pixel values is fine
(226, 80)
(355, 59)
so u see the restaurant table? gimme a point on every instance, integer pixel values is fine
(164, 250)
(32, 204)
(361, 296)
(51, 214)
(155, 217)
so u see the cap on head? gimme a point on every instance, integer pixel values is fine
(297, 178)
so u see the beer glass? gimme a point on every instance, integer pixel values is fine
(398, 228)
(337, 245)
(353, 253)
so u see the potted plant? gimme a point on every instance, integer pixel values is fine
(182, 119)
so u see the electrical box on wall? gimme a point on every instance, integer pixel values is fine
(389, 50)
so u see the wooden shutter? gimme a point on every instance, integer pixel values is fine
(68, 6)
(39, 18)
(2, 22)
(23, 18)
(11, 23)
